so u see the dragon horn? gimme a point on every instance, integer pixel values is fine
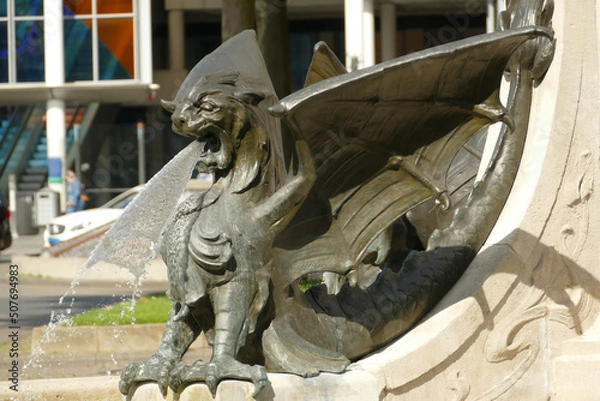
(168, 105)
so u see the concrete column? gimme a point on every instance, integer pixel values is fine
(176, 40)
(57, 147)
(144, 36)
(494, 7)
(141, 129)
(388, 31)
(359, 32)
(492, 16)
(54, 67)
(54, 54)
(353, 28)
(368, 33)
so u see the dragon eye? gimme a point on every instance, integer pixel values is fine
(207, 106)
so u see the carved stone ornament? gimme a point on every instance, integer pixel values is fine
(373, 182)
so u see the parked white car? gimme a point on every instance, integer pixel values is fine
(69, 226)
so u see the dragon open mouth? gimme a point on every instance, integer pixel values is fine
(211, 139)
(216, 149)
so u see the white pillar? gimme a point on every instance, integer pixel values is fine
(57, 144)
(54, 54)
(388, 31)
(176, 40)
(353, 27)
(493, 134)
(144, 36)
(54, 67)
(490, 21)
(359, 32)
(368, 34)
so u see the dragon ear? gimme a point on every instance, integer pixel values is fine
(168, 105)
(251, 98)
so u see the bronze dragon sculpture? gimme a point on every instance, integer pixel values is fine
(367, 157)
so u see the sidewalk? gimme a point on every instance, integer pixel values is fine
(25, 251)
(24, 245)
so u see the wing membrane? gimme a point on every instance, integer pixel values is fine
(383, 138)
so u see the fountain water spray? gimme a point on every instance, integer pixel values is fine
(134, 239)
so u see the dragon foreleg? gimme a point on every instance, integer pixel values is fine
(175, 341)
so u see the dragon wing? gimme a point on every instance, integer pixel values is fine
(383, 139)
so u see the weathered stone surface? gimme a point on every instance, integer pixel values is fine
(101, 388)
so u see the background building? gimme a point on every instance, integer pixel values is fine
(80, 79)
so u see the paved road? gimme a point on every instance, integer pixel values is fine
(38, 298)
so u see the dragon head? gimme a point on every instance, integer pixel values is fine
(218, 118)
(231, 123)
(223, 103)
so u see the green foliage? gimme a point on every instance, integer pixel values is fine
(305, 284)
(153, 308)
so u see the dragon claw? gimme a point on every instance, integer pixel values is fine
(156, 369)
(213, 373)
(212, 378)
(259, 385)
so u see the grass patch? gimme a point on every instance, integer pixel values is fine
(153, 308)
(305, 284)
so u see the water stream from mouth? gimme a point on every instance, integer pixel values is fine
(131, 243)
(134, 238)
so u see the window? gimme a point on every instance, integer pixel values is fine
(99, 40)
(21, 41)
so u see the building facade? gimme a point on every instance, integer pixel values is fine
(80, 80)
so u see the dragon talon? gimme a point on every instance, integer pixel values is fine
(212, 378)
(156, 369)
(259, 386)
(163, 385)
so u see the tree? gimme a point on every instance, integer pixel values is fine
(236, 16)
(274, 41)
(271, 22)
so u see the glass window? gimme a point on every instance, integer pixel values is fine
(3, 52)
(77, 7)
(30, 51)
(301, 56)
(114, 6)
(29, 7)
(2, 8)
(78, 50)
(115, 48)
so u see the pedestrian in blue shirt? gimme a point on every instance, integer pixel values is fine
(73, 192)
